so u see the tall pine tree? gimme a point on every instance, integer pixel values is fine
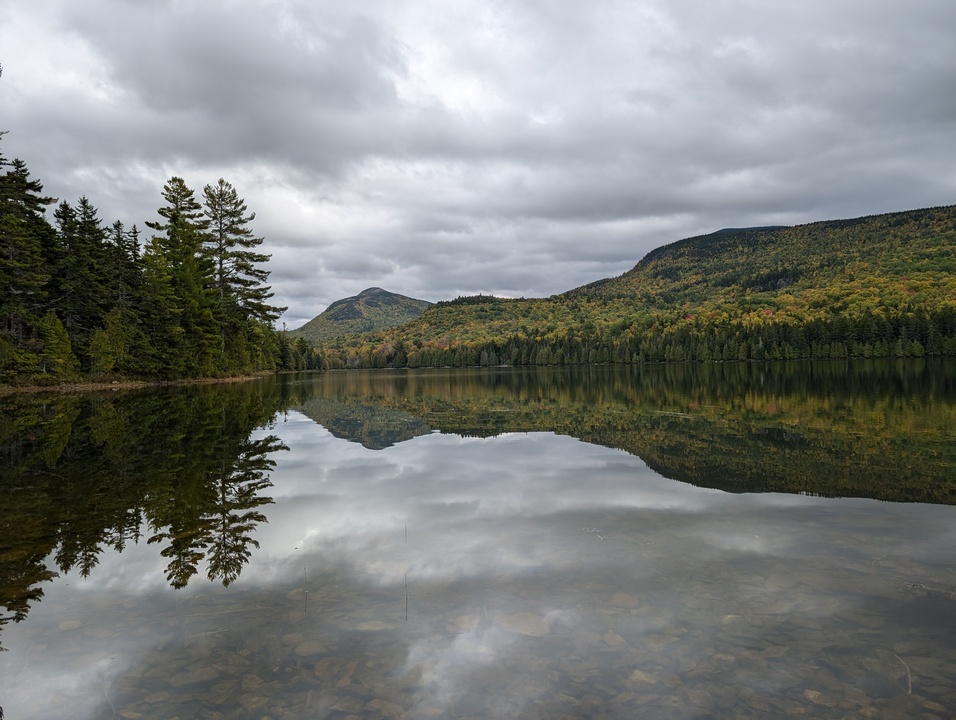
(240, 281)
(238, 278)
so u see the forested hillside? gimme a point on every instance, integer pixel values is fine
(82, 299)
(878, 286)
(372, 309)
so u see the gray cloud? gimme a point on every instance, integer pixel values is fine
(484, 147)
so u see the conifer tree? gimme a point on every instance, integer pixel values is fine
(159, 314)
(234, 514)
(123, 260)
(24, 236)
(79, 287)
(239, 280)
(57, 355)
(178, 254)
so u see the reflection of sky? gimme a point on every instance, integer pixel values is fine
(475, 513)
(449, 489)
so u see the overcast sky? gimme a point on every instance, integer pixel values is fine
(518, 148)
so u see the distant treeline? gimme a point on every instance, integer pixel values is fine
(909, 336)
(79, 299)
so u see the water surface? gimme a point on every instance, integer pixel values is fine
(736, 540)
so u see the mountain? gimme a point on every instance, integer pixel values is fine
(883, 257)
(372, 309)
(875, 286)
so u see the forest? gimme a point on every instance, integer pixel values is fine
(878, 286)
(83, 299)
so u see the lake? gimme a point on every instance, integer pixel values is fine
(680, 541)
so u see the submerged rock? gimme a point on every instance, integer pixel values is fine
(527, 624)
(612, 638)
(194, 677)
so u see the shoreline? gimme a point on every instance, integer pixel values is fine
(80, 386)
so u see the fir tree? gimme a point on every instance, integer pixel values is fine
(24, 235)
(178, 256)
(79, 287)
(125, 267)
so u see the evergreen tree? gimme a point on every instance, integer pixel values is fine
(239, 281)
(233, 516)
(159, 315)
(79, 287)
(125, 270)
(24, 236)
(120, 345)
(57, 355)
(178, 256)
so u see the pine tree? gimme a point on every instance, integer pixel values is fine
(159, 315)
(240, 282)
(238, 485)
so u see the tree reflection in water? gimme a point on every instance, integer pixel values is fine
(86, 473)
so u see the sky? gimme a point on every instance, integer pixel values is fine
(520, 149)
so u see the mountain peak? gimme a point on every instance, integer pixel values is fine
(372, 309)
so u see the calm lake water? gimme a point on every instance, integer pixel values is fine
(605, 542)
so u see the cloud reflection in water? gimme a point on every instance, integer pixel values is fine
(539, 570)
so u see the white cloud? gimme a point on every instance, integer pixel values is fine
(525, 149)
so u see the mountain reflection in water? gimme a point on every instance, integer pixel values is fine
(875, 429)
(444, 545)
